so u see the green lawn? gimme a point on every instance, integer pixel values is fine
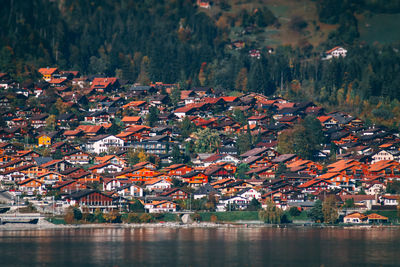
(231, 216)
(56, 220)
(382, 28)
(302, 217)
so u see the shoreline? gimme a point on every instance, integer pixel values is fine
(44, 225)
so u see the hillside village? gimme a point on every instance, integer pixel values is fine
(103, 143)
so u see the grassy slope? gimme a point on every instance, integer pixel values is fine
(284, 10)
(382, 28)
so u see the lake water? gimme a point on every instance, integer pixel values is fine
(201, 247)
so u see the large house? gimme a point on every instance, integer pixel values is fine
(336, 52)
(103, 143)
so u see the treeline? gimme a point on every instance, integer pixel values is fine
(165, 40)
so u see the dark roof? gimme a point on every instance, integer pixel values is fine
(42, 160)
(85, 192)
(99, 137)
(206, 190)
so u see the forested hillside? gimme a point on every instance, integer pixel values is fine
(176, 41)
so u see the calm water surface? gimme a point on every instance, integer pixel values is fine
(201, 247)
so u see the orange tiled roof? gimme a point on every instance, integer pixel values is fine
(47, 71)
(374, 216)
(131, 119)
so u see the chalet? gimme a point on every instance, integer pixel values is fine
(50, 178)
(158, 145)
(327, 121)
(255, 53)
(361, 201)
(146, 164)
(217, 158)
(203, 3)
(249, 193)
(195, 178)
(84, 177)
(374, 187)
(137, 90)
(73, 134)
(259, 151)
(31, 186)
(105, 84)
(387, 168)
(354, 217)
(203, 91)
(177, 170)
(138, 174)
(66, 119)
(217, 172)
(232, 203)
(204, 191)
(27, 155)
(335, 52)
(129, 120)
(48, 73)
(56, 165)
(188, 109)
(110, 184)
(39, 120)
(160, 206)
(91, 130)
(385, 155)
(77, 157)
(114, 159)
(58, 82)
(136, 105)
(256, 120)
(314, 185)
(285, 158)
(98, 117)
(157, 184)
(376, 218)
(389, 200)
(92, 200)
(103, 143)
(69, 186)
(262, 172)
(175, 193)
(7, 148)
(158, 100)
(106, 167)
(45, 139)
(62, 147)
(130, 191)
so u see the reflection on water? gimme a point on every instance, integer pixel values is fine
(201, 247)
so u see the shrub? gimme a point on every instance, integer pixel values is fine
(196, 217)
(158, 216)
(294, 211)
(77, 214)
(99, 216)
(69, 216)
(213, 218)
(88, 217)
(133, 218)
(113, 217)
(146, 218)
